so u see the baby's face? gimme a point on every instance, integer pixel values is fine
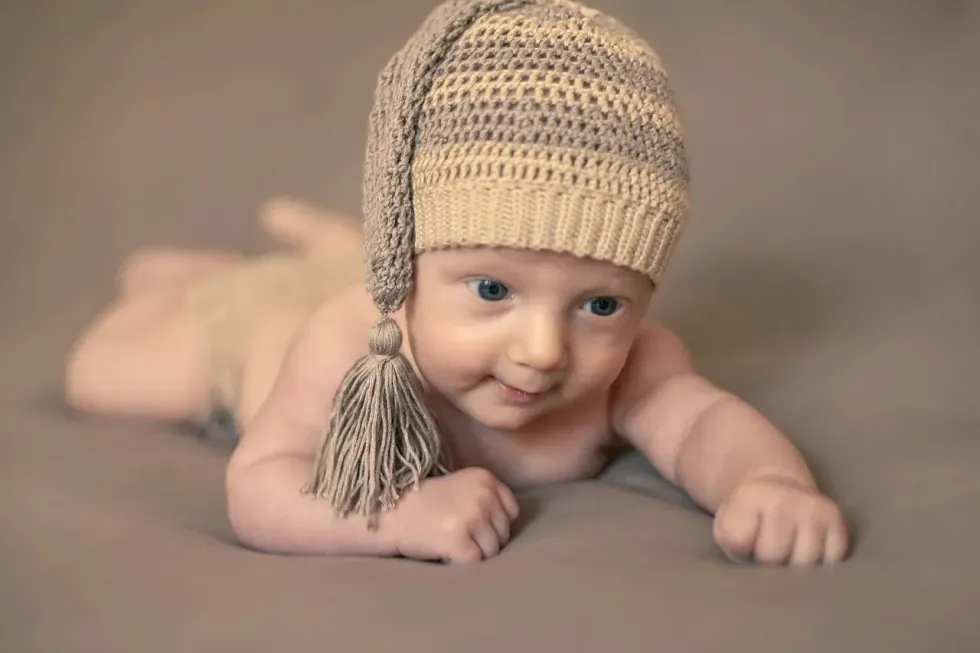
(508, 335)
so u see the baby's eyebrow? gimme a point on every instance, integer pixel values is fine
(613, 284)
(496, 261)
(508, 256)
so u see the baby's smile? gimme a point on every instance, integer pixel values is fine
(518, 395)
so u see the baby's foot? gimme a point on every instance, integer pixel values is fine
(155, 266)
(303, 226)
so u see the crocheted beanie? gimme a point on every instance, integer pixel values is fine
(539, 124)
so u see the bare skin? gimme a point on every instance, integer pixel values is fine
(534, 362)
(141, 357)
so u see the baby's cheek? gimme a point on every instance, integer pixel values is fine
(597, 367)
(450, 361)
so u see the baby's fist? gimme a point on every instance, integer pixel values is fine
(461, 517)
(778, 521)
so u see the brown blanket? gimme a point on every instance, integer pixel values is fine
(830, 276)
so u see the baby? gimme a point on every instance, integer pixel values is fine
(526, 180)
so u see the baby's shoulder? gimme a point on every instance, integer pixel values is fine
(342, 321)
(334, 335)
(656, 343)
(656, 355)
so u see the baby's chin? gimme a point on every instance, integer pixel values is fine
(503, 421)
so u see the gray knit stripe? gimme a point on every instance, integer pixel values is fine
(555, 124)
(521, 56)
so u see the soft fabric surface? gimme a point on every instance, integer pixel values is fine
(829, 275)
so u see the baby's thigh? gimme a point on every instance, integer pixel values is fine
(142, 358)
(263, 361)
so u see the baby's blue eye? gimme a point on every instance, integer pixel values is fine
(489, 290)
(603, 306)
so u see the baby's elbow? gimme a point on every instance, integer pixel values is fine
(244, 516)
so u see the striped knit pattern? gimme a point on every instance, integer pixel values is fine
(541, 124)
(550, 127)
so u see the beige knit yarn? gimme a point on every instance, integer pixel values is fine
(538, 124)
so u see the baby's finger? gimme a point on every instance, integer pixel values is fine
(775, 541)
(736, 530)
(500, 522)
(808, 549)
(508, 501)
(835, 546)
(467, 551)
(485, 535)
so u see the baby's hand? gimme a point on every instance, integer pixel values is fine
(776, 520)
(461, 517)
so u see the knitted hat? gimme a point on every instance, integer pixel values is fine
(538, 124)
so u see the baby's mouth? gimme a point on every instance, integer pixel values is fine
(517, 395)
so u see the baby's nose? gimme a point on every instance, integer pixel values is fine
(540, 345)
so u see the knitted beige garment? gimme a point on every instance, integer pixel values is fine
(537, 124)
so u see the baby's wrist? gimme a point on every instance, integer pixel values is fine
(792, 476)
(389, 528)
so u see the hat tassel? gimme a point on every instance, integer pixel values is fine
(382, 439)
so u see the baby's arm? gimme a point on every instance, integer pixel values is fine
(726, 455)
(273, 460)
(461, 517)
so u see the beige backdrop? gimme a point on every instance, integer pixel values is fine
(830, 275)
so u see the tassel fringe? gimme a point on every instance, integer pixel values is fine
(382, 439)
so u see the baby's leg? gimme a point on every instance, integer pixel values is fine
(170, 267)
(141, 358)
(303, 226)
(291, 222)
